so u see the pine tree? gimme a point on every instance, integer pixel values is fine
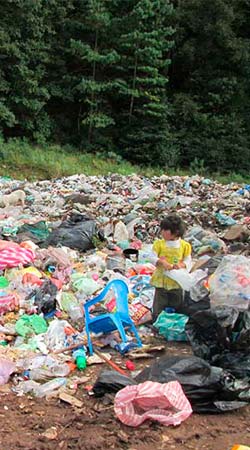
(24, 49)
(208, 78)
(93, 59)
(144, 39)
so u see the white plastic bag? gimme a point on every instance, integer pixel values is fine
(121, 232)
(182, 277)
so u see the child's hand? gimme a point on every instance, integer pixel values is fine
(163, 262)
(180, 265)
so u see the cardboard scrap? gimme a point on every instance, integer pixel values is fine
(70, 399)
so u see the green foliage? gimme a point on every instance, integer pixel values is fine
(158, 82)
(198, 166)
(210, 83)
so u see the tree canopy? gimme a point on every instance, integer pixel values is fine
(162, 82)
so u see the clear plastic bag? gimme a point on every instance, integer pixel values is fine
(198, 290)
(230, 283)
(55, 336)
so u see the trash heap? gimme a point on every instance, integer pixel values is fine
(76, 234)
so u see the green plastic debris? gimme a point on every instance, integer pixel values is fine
(38, 230)
(84, 284)
(5, 178)
(3, 282)
(30, 324)
(68, 300)
(9, 230)
(172, 326)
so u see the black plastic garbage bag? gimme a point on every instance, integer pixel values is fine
(222, 337)
(209, 331)
(77, 232)
(209, 389)
(110, 381)
(191, 307)
(44, 297)
(237, 363)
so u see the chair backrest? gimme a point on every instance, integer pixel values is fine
(120, 290)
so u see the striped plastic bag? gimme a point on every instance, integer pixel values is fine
(165, 403)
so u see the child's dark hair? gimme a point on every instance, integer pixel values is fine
(174, 224)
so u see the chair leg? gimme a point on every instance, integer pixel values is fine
(90, 346)
(133, 328)
(120, 328)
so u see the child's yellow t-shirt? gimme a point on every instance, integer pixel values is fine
(173, 255)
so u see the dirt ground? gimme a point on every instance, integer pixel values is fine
(38, 424)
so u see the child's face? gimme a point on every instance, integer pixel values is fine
(168, 235)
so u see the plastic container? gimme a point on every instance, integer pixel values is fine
(38, 374)
(49, 387)
(79, 356)
(132, 254)
(56, 370)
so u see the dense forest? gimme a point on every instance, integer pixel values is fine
(164, 82)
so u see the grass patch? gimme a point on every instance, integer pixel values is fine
(21, 160)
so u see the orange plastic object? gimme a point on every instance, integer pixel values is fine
(32, 279)
(240, 447)
(71, 365)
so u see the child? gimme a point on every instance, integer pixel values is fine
(173, 253)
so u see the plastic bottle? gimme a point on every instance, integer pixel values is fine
(42, 374)
(124, 347)
(37, 374)
(60, 370)
(79, 356)
(49, 387)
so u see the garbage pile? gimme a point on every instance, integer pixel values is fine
(74, 235)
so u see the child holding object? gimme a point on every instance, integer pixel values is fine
(173, 262)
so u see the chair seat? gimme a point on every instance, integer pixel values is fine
(104, 323)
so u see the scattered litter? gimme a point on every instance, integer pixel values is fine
(70, 237)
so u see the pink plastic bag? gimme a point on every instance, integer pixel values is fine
(8, 303)
(12, 255)
(7, 367)
(165, 403)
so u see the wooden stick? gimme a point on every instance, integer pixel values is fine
(72, 347)
(110, 363)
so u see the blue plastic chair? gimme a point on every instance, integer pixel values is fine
(107, 322)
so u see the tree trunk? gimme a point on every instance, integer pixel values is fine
(90, 132)
(132, 99)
